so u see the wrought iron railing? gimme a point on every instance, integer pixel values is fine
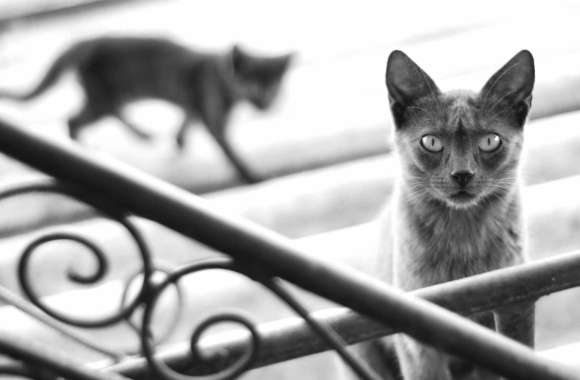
(118, 191)
(291, 338)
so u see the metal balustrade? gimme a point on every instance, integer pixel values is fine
(119, 191)
(291, 338)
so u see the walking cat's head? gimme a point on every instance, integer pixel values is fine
(459, 147)
(258, 79)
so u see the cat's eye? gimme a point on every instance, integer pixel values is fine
(431, 143)
(489, 142)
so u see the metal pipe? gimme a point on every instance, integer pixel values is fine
(256, 247)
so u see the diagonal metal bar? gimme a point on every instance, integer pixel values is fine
(252, 245)
(291, 338)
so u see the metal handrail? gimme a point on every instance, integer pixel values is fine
(291, 338)
(271, 255)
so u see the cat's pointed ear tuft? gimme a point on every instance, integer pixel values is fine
(238, 58)
(289, 58)
(406, 83)
(512, 85)
(237, 50)
(284, 61)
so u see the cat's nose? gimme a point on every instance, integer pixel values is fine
(462, 177)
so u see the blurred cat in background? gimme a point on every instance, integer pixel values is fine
(114, 71)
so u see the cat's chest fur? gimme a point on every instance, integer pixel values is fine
(433, 243)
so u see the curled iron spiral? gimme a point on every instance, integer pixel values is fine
(243, 362)
(175, 317)
(164, 371)
(150, 290)
(107, 209)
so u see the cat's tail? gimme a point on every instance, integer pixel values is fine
(70, 58)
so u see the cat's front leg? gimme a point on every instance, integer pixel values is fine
(243, 171)
(420, 362)
(214, 115)
(463, 369)
(379, 356)
(182, 132)
(517, 322)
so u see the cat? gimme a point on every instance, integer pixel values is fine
(456, 208)
(113, 71)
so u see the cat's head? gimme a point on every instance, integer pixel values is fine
(459, 147)
(259, 78)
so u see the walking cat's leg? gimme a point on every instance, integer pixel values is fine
(131, 126)
(242, 169)
(84, 117)
(517, 322)
(98, 101)
(214, 115)
(182, 132)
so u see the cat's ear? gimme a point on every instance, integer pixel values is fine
(237, 51)
(239, 58)
(512, 85)
(406, 83)
(287, 59)
(281, 63)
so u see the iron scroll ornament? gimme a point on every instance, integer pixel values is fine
(149, 292)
